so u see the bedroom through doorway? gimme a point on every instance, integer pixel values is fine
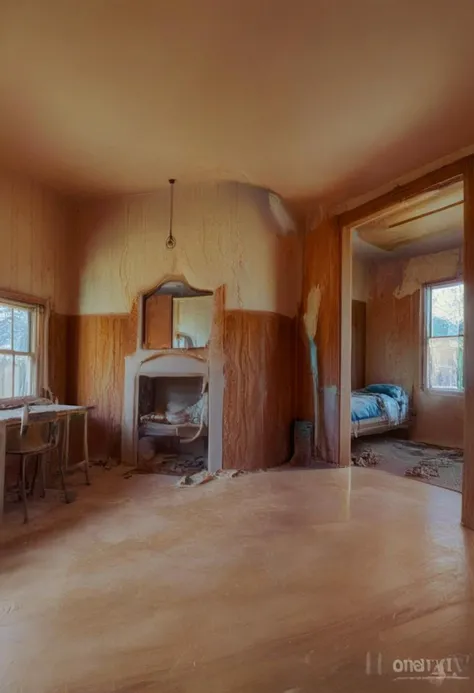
(407, 338)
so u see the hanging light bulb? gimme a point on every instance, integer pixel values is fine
(171, 240)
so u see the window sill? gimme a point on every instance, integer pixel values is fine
(14, 402)
(440, 391)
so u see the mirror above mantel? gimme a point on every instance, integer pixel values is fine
(177, 316)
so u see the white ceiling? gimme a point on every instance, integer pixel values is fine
(451, 238)
(429, 223)
(310, 98)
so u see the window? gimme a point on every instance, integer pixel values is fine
(18, 323)
(444, 358)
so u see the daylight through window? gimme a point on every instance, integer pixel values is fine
(445, 336)
(17, 350)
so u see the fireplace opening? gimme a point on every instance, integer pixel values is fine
(172, 423)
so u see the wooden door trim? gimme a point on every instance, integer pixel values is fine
(463, 168)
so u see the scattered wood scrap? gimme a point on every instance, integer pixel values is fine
(422, 470)
(202, 477)
(365, 458)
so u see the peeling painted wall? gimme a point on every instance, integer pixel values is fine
(321, 311)
(310, 318)
(429, 268)
(226, 235)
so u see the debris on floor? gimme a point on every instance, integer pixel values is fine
(106, 464)
(204, 476)
(365, 458)
(431, 466)
(230, 473)
(197, 479)
(435, 465)
(423, 470)
(174, 464)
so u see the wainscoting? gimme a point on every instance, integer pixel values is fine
(97, 346)
(259, 395)
(58, 327)
(260, 376)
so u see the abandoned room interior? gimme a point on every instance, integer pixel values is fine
(236, 339)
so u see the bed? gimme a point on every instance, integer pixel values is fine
(378, 408)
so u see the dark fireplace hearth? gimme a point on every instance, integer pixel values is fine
(172, 423)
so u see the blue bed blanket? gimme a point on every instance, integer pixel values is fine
(389, 402)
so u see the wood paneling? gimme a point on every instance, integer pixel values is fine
(158, 322)
(468, 477)
(97, 346)
(33, 252)
(393, 332)
(395, 343)
(322, 268)
(34, 263)
(58, 357)
(259, 391)
(394, 197)
(439, 418)
(259, 356)
(358, 344)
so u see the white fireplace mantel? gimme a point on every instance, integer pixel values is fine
(171, 363)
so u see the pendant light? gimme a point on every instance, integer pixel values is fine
(171, 240)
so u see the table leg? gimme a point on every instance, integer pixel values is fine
(3, 437)
(86, 450)
(66, 443)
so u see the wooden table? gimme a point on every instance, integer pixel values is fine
(12, 417)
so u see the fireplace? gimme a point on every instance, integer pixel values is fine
(161, 386)
(173, 423)
(174, 381)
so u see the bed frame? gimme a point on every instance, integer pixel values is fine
(379, 424)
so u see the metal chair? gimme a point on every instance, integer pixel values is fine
(37, 438)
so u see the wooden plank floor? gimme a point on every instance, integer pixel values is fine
(273, 582)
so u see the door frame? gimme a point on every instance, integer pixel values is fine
(463, 168)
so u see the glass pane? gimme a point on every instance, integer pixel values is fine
(5, 327)
(21, 329)
(447, 310)
(445, 363)
(6, 375)
(23, 376)
(192, 321)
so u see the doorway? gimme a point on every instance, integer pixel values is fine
(403, 307)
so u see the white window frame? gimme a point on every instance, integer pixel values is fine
(427, 336)
(35, 347)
